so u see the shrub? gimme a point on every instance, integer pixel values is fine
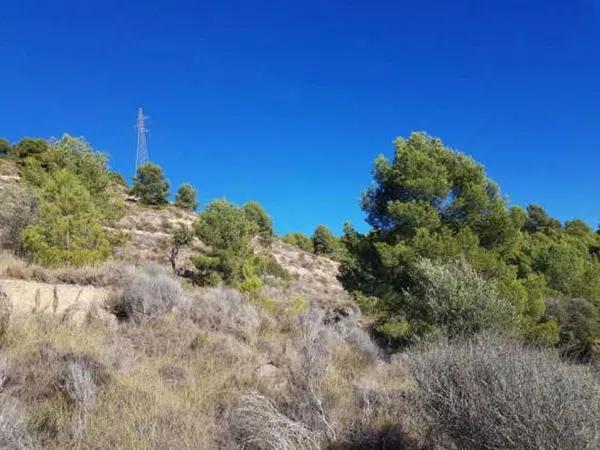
(29, 147)
(455, 299)
(359, 339)
(226, 230)
(299, 240)
(150, 185)
(5, 312)
(492, 393)
(69, 226)
(257, 424)
(82, 378)
(186, 197)
(256, 214)
(324, 242)
(579, 326)
(5, 148)
(118, 179)
(17, 213)
(313, 340)
(182, 237)
(227, 310)
(88, 166)
(13, 426)
(148, 293)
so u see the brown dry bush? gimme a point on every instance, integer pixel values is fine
(59, 388)
(226, 310)
(109, 274)
(148, 292)
(5, 312)
(255, 423)
(13, 426)
(492, 393)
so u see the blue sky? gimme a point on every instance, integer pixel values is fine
(288, 102)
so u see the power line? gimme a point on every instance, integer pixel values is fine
(142, 150)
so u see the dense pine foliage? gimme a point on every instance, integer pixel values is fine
(433, 203)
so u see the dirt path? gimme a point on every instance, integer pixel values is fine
(29, 296)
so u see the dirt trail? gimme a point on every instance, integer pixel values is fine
(29, 296)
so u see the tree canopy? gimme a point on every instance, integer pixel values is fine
(299, 240)
(186, 197)
(68, 229)
(323, 241)
(432, 202)
(5, 148)
(150, 185)
(256, 214)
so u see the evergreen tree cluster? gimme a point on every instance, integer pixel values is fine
(431, 203)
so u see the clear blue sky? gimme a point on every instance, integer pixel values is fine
(288, 102)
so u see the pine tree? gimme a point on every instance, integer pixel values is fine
(150, 185)
(69, 226)
(186, 197)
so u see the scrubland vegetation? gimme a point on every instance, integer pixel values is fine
(478, 327)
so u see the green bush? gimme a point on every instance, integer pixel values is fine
(580, 326)
(118, 179)
(69, 226)
(323, 240)
(453, 298)
(5, 148)
(75, 155)
(150, 185)
(430, 201)
(186, 197)
(225, 228)
(299, 240)
(19, 209)
(29, 147)
(256, 214)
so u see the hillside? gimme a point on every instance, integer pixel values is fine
(149, 233)
(244, 341)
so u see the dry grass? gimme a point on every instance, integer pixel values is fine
(228, 372)
(106, 275)
(176, 379)
(491, 393)
(13, 426)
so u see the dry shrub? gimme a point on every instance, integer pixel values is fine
(13, 426)
(149, 292)
(359, 339)
(4, 371)
(313, 340)
(256, 423)
(59, 387)
(82, 377)
(81, 381)
(226, 310)
(111, 273)
(375, 419)
(5, 312)
(492, 393)
(49, 372)
(166, 335)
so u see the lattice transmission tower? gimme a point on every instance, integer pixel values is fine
(142, 150)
